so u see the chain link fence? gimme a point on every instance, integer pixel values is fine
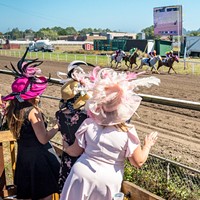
(166, 178)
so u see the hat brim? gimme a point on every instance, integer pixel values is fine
(123, 113)
(26, 96)
(32, 93)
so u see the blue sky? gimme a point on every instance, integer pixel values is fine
(119, 15)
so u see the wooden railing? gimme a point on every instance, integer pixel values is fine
(5, 189)
(134, 192)
(131, 191)
(8, 191)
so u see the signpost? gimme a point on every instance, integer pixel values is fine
(168, 21)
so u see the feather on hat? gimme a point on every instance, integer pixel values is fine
(27, 84)
(113, 98)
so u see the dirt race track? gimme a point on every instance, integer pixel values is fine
(179, 129)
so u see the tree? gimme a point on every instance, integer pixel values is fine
(16, 34)
(194, 33)
(85, 31)
(70, 31)
(28, 31)
(59, 30)
(149, 32)
(47, 33)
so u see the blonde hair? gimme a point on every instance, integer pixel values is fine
(122, 127)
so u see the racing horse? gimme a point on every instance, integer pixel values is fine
(168, 62)
(131, 59)
(151, 64)
(117, 59)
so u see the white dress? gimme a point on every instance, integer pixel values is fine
(98, 173)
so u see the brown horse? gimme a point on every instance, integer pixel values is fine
(168, 63)
(132, 59)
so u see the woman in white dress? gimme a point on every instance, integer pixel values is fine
(105, 140)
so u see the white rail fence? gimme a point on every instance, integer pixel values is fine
(63, 57)
(192, 66)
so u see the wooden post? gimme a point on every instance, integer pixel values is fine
(2, 170)
(6, 190)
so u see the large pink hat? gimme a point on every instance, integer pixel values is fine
(28, 85)
(113, 99)
(24, 88)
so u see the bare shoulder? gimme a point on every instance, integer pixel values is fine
(34, 114)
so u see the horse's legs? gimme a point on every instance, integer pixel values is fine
(158, 67)
(156, 70)
(131, 66)
(116, 65)
(139, 67)
(172, 69)
(136, 63)
(111, 63)
(127, 62)
(153, 67)
(127, 65)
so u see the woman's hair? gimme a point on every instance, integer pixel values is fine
(15, 115)
(122, 127)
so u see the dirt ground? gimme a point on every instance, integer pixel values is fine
(179, 129)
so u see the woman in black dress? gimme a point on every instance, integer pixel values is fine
(37, 167)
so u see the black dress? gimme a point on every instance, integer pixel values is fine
(37, 167)
(70, 120)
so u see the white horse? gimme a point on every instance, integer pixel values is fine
(151, 64)
(117, 59)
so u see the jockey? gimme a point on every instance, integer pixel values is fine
(151, 55)
(169, 54)
(132, 51)
(117, 52)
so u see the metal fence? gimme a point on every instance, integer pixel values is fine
(166, 178)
